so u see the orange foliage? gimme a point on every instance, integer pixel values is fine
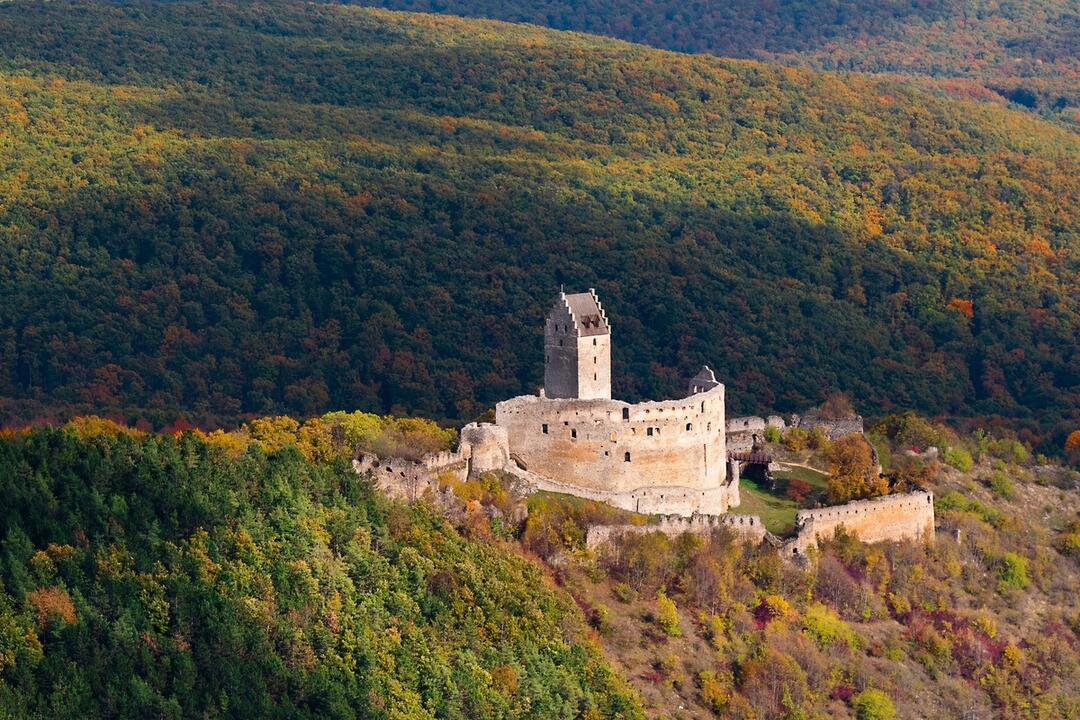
(964, 306)
(52, 602)
(1072, 444)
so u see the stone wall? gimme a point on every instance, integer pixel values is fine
(483, 448)
(832, 427)
(668, 456)
(908, 516)
(897, 517)
(748, 527)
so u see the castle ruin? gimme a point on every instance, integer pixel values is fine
(667, 457)
(678, 459)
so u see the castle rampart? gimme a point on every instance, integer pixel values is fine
(747, 527)
(664, 456)
(908, 516)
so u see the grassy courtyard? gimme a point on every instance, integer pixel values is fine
(776, 510)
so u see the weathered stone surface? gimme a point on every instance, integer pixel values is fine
(746, 527)
(896, 517)
(577, 348)
(654, 457)
(908, 516)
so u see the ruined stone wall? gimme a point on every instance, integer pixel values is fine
(410, 480)
(747, 527)
(668, 456)
(483, 448)
(897, 517)
(832, 427)
(909, 516)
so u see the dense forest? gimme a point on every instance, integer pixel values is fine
(159, 576)
(1026, 51)
(209, 210)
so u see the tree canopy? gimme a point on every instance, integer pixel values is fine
(209, 211)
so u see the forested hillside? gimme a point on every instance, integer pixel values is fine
(1027, 51)
(252, 573)
(209, 210)
(164, 577)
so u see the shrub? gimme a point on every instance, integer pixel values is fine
(772, 607)
(798, 489)
(667, 616)
(1068, 543)
(600, 619)
(959, 458)
(826, 628)
(1010, 450)
(795, 439)
(713, 692)
(1002, 485)
(953, 500)
(624, 593)
(717, 629)
(818, 440)
(872, 704)
(772, 434)
(1014, 572)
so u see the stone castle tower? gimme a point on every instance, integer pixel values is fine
(577, 349)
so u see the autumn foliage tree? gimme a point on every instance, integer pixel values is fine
(852, 473)
(1072, 446)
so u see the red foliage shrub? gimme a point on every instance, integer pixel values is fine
(798, 489)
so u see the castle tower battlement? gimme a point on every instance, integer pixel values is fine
(577, 348)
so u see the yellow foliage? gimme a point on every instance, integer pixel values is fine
(89, 427)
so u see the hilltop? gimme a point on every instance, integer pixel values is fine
(1021, 50)
(208, 211)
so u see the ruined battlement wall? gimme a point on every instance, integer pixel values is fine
(628, 454)
(833, 428)
(748, 527)
(483, 448)
(897, 517)
(909, 516)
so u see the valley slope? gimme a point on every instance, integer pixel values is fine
(210, 211)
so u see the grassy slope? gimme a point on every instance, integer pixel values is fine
(255, 208)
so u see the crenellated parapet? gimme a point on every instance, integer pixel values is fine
(658, 456)
(747, 527)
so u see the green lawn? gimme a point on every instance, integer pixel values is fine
(816, 478)
(775, 510)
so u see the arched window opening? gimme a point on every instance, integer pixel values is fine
(573, 434)
(626, 457)
(689, 427)
(544, 428)
(626, 413)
